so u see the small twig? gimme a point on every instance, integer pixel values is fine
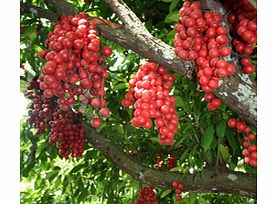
(39, 12)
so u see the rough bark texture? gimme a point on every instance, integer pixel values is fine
(209, 180)
(150, 48)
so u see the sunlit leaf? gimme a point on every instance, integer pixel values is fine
(172, 17)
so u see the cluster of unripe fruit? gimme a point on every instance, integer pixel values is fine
(179, 188)
(201, 38)
(146, 196)
(41, 109)
(243, 18)
(75, 67)
(149, 93)
(68, 135)
(250, 150)
(170, 162)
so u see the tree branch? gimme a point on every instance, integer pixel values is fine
(39, 12)
(150, 48)
(238, 91)
(62, 6)
(209, 180)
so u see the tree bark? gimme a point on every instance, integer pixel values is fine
(209, 180)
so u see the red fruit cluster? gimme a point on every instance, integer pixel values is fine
(149, 94)
(179, 187)
(41, 109)
(74, 67)
(171, 162)
(248, 68)
(250, 150)
(244, 25)
(67, 135)
(146, 196)
(201, 38)
(213, 103)
(159, 162)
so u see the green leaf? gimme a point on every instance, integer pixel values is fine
(172, 17)
(65, 183)
(57, 168)
(173, 5)
(121, 86)
(220, 128)
(165, 193)
(232, 139)
(82, 196)
(185, 153)
(77, 168)
(224, 153)
(179, 102)
(154, 139)
(178, 168)
(167, 0)
(23, 85)
(52, 175)
(207, 137)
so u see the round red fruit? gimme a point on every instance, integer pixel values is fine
(96, 102)
(209, 96)
(247, 35)
(251, 136)
(180, 186)
(106, 51)
(221, 39)
(42, 53)
(253, 163)
(230, 69)
(104, 112)
(48, 93)
(96, 122)
(240, 126)
(213, 52)
(225, 51)
(245, 60)
(232, 123)
(213, 84)
(245, 152)
(248, 69)
(216, 102)
(178, 198)
(174, 183)
(178, 191)
(247, 50)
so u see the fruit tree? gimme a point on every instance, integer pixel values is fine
(138, 101)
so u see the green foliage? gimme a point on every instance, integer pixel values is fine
(47, 178)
